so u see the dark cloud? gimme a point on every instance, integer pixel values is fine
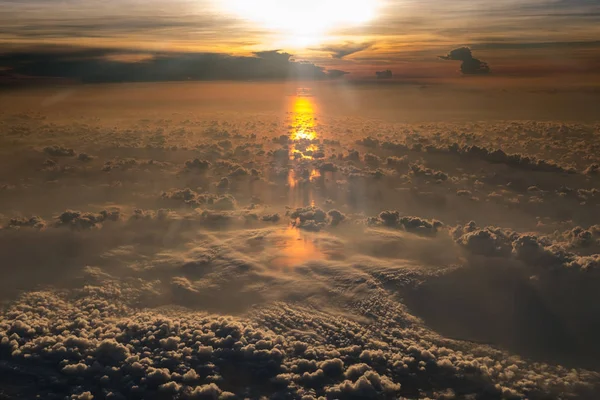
(470, 65)
(345, 50)
(59, 151)
(190, 198)
(421, 171)
(336, 73)
(32, 222)
(535, 45)
(460, 54)
(387, 74)
(109, 65)
(393, 219)
(494, 156)
(197, 165)
(80, 220)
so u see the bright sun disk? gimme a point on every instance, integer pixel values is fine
(305, 21)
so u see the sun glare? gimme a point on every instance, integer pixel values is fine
(303, 22)
(303, 119)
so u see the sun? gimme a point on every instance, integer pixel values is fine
(302, 22)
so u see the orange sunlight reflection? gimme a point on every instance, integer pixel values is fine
(295, 248)
(303, 126)
(303, 146)
(303, 119)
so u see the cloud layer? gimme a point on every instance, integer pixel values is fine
(153, 247)
(109, 65)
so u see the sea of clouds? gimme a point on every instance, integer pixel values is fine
(193, 258)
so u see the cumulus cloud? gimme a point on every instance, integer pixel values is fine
(222, 268)
(81, 220)
(197, 356)
(191, 198)
(59, 151)
(197, 165)
(424, 172)
(32, 222)
(492, 155)
(544, 252)
(394, 219)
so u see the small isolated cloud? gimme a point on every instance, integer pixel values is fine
(387, 74)
(341, 51)
(336, 73)
(470, 65)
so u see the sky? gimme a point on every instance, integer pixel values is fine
(515, 38)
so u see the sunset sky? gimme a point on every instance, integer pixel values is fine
(516, 38)
(300, 199)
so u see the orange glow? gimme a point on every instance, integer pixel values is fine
(296, 248)
(314, 174)
(292, 181)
